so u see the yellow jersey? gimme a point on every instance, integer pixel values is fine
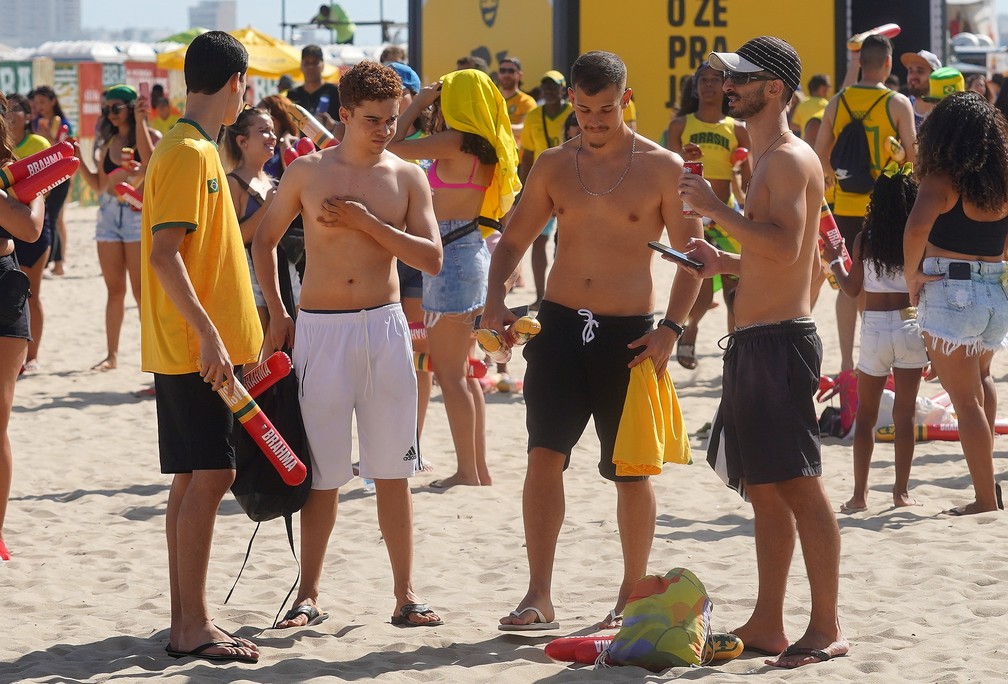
(716, 140)
(808, 110)
(543, 131)
(878, 126)
(162, 126)
(518, 105)
(186, 187)
(31, 144)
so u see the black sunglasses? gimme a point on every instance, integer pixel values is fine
(113, 109)
(507, 71)
(740, 78)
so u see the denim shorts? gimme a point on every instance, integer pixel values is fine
(890, 339)
(965, 313)
(461, 286)
(117, 221)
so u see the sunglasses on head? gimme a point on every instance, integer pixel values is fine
(113, 109)
(740, 78)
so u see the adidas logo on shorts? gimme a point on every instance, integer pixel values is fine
(410, 455)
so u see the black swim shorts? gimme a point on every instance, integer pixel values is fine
(195, 426)
(766, 429)
(577, 369)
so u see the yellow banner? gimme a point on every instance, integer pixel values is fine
(491, 29)
(664, 41)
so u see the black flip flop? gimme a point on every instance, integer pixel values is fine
(198, 652)
(309, 611)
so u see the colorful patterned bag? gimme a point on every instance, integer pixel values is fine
(666, 623)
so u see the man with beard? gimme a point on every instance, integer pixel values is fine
(765, 437)
(612, 191)
(919, 66)
(884, 113)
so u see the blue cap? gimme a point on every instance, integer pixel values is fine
(410, 80)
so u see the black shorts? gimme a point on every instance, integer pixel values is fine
(19, 328)
(410, 281)
(195, 426)
(766, 428)
(577, 369)
(849, 227)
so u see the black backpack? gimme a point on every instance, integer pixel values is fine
(851, 159)
(258, 487)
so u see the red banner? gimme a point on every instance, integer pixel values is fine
(89, 81)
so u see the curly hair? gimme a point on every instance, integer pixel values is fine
(6, 144)
(966, 139)
(884, 223)
(369, 81)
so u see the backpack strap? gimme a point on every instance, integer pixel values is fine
(248, 552)
(884, 96)
(288, 518)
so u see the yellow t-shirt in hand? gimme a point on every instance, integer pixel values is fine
(543, 131)
(186, 187)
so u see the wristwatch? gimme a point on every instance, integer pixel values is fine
(672, 325)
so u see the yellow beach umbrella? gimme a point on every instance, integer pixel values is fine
(268, 56)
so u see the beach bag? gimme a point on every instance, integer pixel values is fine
(851, 159)
(258, 487)
(14, 293)
(666, 623)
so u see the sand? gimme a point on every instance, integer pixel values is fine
(85, 597)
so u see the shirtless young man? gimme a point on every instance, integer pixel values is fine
(363, 209)
(612, 192)
(773, 359)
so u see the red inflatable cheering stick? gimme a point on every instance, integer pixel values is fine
(131, 195)
(268, 373)
(738, 157)
(41, 182)
(34, 164)
(255, 422)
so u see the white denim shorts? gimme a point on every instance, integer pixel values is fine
(890, 339)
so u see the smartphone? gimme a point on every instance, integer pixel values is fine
(145, 89)
(959, 270)
(676, 255)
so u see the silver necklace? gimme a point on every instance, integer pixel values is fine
(577, 170)
(765, 152)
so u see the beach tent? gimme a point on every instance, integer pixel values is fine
(268, 56)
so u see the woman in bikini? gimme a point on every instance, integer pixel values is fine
(475, 163)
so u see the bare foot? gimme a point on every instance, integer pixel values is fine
(854, 505)
(799, 653)
(968, 509)
(58, 268)
(484, 477)
(760, 641)
(108, 363)
(903, 499)
(456, 479)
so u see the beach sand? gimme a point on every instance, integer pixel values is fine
(85, 596)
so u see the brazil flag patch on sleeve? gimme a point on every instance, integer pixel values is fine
(213, 185)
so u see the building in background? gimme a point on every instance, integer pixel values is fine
(216, 15)
(27, 23)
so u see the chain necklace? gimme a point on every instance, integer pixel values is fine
(769, 147)
(577, 170)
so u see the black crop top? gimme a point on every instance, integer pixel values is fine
(957, 232)
(109, 166)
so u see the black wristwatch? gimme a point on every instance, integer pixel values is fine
(672, 325)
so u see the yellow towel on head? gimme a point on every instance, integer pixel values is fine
(471, 103)
(651, 429)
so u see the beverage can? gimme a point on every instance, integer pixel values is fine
(695, 167)
(323, 105)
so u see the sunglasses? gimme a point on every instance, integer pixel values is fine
(740, 78)
(507, 71)
(113, 109)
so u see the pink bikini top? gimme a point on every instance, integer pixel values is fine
(436, 182)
